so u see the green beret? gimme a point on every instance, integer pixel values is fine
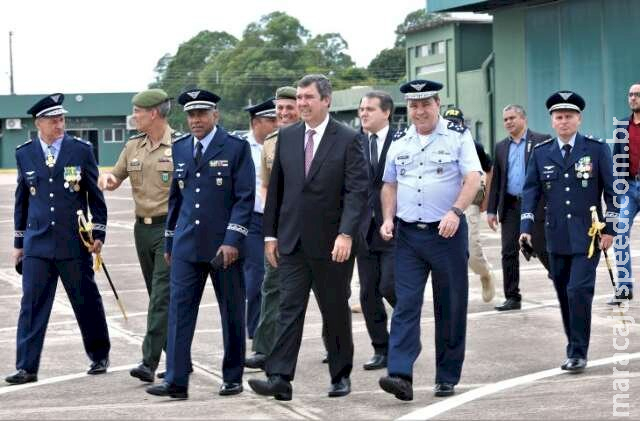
(149, 98)
(286, 92)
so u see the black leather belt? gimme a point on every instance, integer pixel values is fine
(151, 220)
(419, 225)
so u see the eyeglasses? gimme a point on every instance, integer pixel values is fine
(632, 94)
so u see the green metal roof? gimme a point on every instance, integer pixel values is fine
(78, 104)
(474, 5)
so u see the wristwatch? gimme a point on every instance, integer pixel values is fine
(457, 211)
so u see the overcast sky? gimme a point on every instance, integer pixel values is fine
(89, 46)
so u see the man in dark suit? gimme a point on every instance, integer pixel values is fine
(505, 198)
(57, 177)
(316, 200)
(376, 256)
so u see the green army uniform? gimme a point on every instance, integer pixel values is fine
(265, 334)
(150, 170)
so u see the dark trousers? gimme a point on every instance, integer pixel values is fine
(265, 333)
(149, 241)
(574, 277)
(39, 282)
(330, 283)
(420, 252)
(187, 284)
(254, 271)
(375, 270)
(510, 235)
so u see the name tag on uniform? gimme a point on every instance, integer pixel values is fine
(219, 163)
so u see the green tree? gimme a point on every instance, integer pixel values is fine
(389, 65)
(414, 19)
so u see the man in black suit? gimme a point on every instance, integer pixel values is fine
(376, 256)
(509, 170)
(316, 200)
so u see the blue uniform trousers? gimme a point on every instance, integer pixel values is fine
(39, 282)
(187, 284)
(574, 277)
(418, 253)
(254, 271)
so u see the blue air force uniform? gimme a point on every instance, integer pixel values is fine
(570, 186)
(54, 182)
(429, 172)
(254, 244)
(210, 205)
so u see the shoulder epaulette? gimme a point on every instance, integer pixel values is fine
(236, 137)
(24, 144)
(184, 136)
(84, 142)
(272, 135)
(544, 142)
(456, 127)
(137, 136)
(397, 135)
(593, 139)
(175, 135)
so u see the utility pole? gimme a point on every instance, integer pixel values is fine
(11, 90)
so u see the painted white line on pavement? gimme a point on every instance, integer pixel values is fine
(58, 379)
(436, 409)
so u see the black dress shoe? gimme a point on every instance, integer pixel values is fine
(620, 295)
(166, 389)
(510, 304)
(443, 389)
(575, 365)
(397, 386)
(21, 377)
(325, 360)
(276, 386)
(257, 361)
(162, 374)
(341, 388)
(229, 388)
(99, 367)
(142, 372)
(376, 362)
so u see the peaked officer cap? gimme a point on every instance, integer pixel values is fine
(198, 99)
(565, 100)
(420, 89)
(454, 114)
(48, 106)
(264, 109)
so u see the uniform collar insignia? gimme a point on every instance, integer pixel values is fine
(30, 172)
(181, 164)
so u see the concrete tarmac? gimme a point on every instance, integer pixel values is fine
(511, 370)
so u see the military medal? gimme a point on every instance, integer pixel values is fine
(439, 170)
(32, 190)
(50, 161)
(165, 177)
(584, 183)
(585, 175)
(218, 181)
(76, 187)
(181, 184)
(66, 184)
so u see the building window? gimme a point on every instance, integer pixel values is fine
(423, 50)
(113, 135)
(437, 47)
(429, 69)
